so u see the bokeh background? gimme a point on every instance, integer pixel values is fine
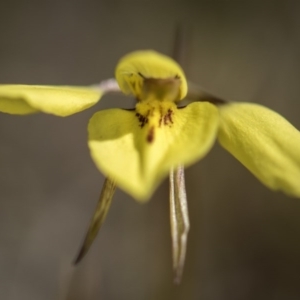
(244, 241)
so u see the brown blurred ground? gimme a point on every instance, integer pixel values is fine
(244, 241)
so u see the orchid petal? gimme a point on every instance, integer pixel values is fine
(61, 100)
(264, 142)
(138, 157)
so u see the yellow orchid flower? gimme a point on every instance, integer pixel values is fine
(137, 148)
(157, 135)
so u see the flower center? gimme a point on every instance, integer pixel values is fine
(153, 114)
(156, 103)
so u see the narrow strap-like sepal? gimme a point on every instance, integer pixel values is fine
(102, 208)
(179, 218)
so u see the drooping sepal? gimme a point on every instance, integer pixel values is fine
(264, 142)
(179, 219)
(99, 216)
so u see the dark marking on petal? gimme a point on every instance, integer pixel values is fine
(168, 120)
(165, 120)
(170, 113)
(150, 135)
(160, 121)
(161, 117)
(140, 74)
(142, 119)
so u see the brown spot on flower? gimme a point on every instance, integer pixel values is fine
(140, 74)
(170, 114)
(168, 117)
(160, 121)
(142, 119)
(150, 135)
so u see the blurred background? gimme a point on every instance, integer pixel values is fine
(244, 241)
